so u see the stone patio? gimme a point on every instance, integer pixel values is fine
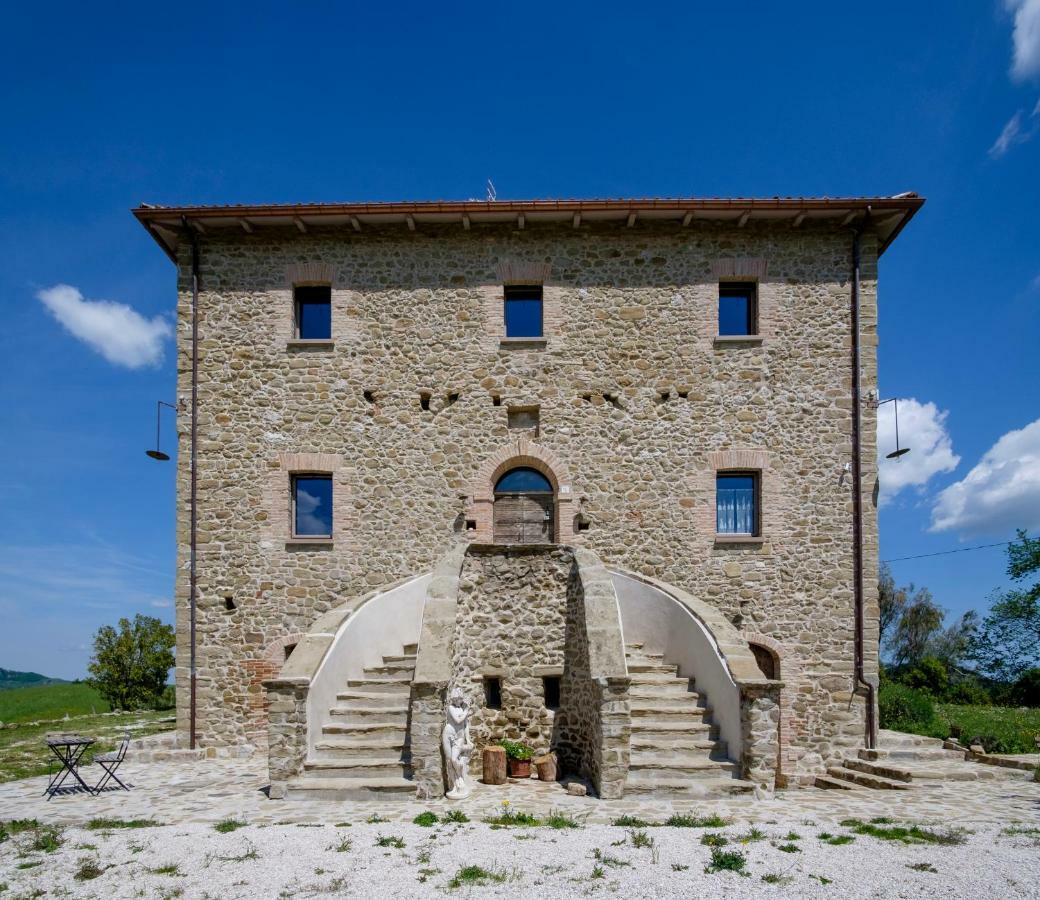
(200, 791)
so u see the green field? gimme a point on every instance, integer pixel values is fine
(42, 709)
(50, 701)
(1000, 729)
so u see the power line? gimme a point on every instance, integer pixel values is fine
(947, 552)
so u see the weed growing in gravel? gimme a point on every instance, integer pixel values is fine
(168, 869)
(520, 837)
(226, 826)
(309, 825)
(679, 867)
(750, 836)
(477, 876)
(923, 867)
(113, 824)
(390, 840)
(773, 878)
(726, 861)
(822, 879)
(714, 839)
(835, 840)
(426, 819)
(249, 854)
(134, 847)
(343, 825)
(343, 846)
(376, 819)
(712, 821)
(425, 874)
(17, 826)
(788, 848)
(88, 870)
(559, 821)
(46, 839)
(914, 834)
(792, 836)
(631, 822)
(640, 839)
(608, 860)
(423, 857)
(32, 864)
(509, 817)
(1021, 831)
(456, 815)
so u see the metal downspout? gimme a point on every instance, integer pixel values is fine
(857, 496)
(193, 502)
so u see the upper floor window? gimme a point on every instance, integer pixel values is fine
(736, 503)
(312, 506)
(738, 313)
(523, 311)
(313, 312)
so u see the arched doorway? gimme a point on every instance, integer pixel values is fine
(524, 507)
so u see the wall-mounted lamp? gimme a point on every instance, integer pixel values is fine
(157, 453)
(899, 451)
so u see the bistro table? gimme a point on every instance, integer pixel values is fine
(69, 748)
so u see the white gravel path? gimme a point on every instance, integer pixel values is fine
(261, 861)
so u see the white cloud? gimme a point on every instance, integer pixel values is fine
(1025, 38)
(116, 331)
(1017, 130)
(1000, 494)
(922, 428)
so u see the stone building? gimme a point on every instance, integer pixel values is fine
(594, 462)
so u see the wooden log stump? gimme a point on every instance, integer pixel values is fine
(494, 765)
(546, 767)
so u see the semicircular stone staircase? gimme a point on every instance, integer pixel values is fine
(675, 745)
(363, 752)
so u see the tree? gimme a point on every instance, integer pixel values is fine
(1008, 642)
(918, 626)
(129, 666)
(892, 602)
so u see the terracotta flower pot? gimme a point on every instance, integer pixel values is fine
(519, 768)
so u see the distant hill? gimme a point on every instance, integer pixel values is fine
(10, 679)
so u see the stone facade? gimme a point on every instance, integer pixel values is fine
(634, 395)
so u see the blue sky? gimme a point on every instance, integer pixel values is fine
(232, 102)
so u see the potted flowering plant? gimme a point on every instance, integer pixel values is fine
(518, 758)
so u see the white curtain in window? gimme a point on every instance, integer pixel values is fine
(735, 511)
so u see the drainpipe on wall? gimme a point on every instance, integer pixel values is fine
(857, 497)
(193, 530)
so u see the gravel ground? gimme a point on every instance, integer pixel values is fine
(261, 861)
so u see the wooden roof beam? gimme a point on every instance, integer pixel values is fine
(520, 221)
(355, 222)
(797, 223)
(743, 220)
(247, 226)
(577, 220)
(848, 219)
(411, 222)
(687, 219)
(465, 222)
(300, 224)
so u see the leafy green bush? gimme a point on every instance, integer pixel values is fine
(968, 693)
(516, 749)
(929, 676)
(1026, 691)
(904, 709)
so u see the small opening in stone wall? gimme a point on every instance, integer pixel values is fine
(583, 525)
(369, 396)
(289, 649)
(551, 691)
(471, 524)
(496, 400)
(683, 394)
(664, 396)
(451, 399)
(587, 398)
(493, 692)
(612, 399)
(523, 418)
(424, 399)
(229, 604)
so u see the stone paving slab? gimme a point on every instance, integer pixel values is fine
(215, 789)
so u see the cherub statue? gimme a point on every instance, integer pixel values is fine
(457, 745)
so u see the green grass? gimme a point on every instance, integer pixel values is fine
(88, 870)
(113, 824)
(726, 861)
(714, 839)
(1002, 729)
(426, 819)
(514, 817)
(226, 826)
(390, 841)
(882, 829)
(712, 821)
(456, 815)
(23, 751)
(477, 876)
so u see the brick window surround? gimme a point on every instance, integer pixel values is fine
(517, 273)
(750, 461)
(309, 274)
(277, 496)
(521, 452)
(743, 270)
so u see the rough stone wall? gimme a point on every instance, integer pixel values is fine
(759, 721)
(511, 623)
(636, 319)
(287, 708)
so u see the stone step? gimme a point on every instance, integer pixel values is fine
(665, 732)
(633, 645)
(648, 668)
(406, 660)
(866, 780)
(394, 671)
(835, 784)
(704, 785)
(941, 771)
(373, 729)
(695, 737)
(374, 698)
(654, 659)
(358, 767)
(309, 787)
(656, 678)
(380, 684)
(874, 768)
(388, 714)
(676, 687)
(346, 743)
(921, 754)
(900, 740)
(690, 761)
(696, 750)
(668, 711)
(688, 700)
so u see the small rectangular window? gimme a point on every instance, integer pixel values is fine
(737, 309)
(493, 693)
(313, 312)
(551, 691)
(523, 311)
(736, 503)
(312, 505)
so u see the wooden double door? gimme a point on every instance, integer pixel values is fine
(523, 518)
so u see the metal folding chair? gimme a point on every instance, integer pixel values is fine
(110, 762)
